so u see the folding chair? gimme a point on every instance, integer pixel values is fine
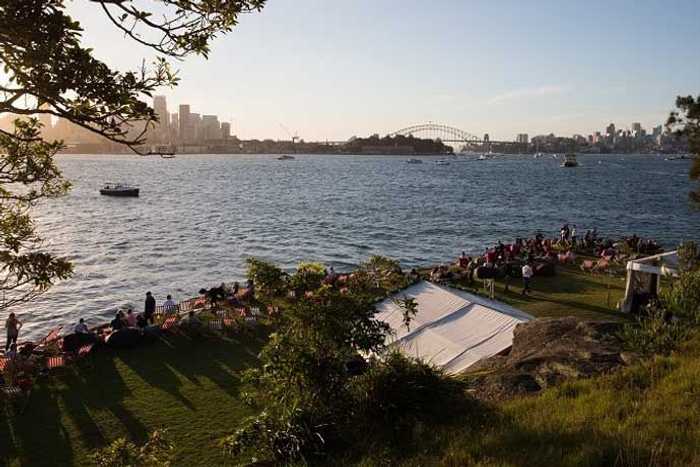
(169, 323)
(85, 350)
(57, 361)
(3, 363)
(50, 337)
(216, 324)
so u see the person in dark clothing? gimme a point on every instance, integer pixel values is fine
(118, 322)
(150, 307)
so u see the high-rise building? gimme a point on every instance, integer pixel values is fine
(211, 128)
(196, 123)
(522, 138)
(174, 126)
(186, 129)
(225, 130)
(610, 132)
(637, 130)
(160, 106)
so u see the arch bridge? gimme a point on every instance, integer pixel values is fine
(434, 131)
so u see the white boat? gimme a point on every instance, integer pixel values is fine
(442, 162)
(570, 161)
(285, 158)
(414, 161)
(483, 157)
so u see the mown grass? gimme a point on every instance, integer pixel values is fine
(189, 387)
(645, 415)
(192, 388)
(571, 292)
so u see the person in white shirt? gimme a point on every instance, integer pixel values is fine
(169, 304)
(527, 275)
(81, 327)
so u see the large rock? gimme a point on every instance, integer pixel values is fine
(546, 352)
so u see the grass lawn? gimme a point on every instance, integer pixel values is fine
(192, 389)
(571, 292)
(645, 415)
(189, 387)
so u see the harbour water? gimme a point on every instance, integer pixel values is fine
(199, 217)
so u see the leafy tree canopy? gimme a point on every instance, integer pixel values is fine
(686, 122)
(46, 71)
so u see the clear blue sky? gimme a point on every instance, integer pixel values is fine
(331, 69)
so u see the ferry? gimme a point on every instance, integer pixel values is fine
(570, 161)
(285, 158)
(118, 189)
(165, 151)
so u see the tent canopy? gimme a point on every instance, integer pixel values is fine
(643, 279)
(452, 329)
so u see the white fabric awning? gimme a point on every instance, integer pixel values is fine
(452, 329)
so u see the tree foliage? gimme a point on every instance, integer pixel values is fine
(47, 71)
(155, 452)
(686, 122)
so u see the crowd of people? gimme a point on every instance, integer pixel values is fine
(538, 256)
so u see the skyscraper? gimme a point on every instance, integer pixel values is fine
(160, 106)
(225, 130)
(186, 128)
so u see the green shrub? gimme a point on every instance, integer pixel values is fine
(682, 298)
(399, 393)
(308, 277)
(268, 278)
(122, 453)
(654, 333)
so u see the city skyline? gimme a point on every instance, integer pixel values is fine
(331, 72)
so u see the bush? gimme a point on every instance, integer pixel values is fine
(268, 278)
(682, 298)
(399, 393)
(654, 333)
(123, 453)
(308, 277)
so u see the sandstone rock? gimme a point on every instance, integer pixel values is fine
(546, 352)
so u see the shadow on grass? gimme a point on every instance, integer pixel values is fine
(79, 409)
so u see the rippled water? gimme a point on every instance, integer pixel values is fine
(199, 217)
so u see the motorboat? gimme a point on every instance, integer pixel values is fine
(118, 189)
(442, 162)
(414, 161)
(570, 161)
(285, 157)
(483, 157)
(168, 155)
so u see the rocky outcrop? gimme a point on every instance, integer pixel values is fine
(546, 352)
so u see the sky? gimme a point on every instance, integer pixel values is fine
(332, 69)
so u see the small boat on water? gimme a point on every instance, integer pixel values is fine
(285, 158)
(680, 157)
(570, 161)
(118, 189)
(169, 155)
(414, 161)
(483, 157)
(442, 162)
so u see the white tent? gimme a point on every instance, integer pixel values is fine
(643, 279)
(452, 329)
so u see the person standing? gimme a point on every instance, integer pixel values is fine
(169, 305)
(573, 236)
(149, 307)
(12, 325)
(527, 275)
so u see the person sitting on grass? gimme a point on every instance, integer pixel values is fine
(130, 318)
(81, 327)
(118, 322)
